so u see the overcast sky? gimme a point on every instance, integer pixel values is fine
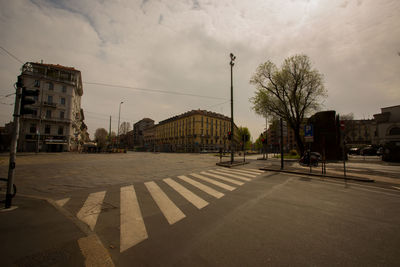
(184, 46)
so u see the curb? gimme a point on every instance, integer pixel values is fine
(234, 164)
(320, 175)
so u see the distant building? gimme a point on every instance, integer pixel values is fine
(5, 136)
(387, 125)
(193, 131)
(273, 138)
(359, 132)
(138, 129)
(57, 123)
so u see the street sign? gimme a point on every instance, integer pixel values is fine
(309, 133)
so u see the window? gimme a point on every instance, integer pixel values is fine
(62, 114)
(32, 129)
(36, 98)
(47, 129)
(37, 83)
(394, 131)
(64, 88)
(50, 99)
(60, 130)
(63, 101)
(51, 86)
(48, 114)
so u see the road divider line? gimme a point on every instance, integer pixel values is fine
(235, 171)
(62, 202)
(202, 187)
(233, 181)
(133, 229)
(197, 201)
(211, 181)
(231, 175)
(91, 209)
(171, 212)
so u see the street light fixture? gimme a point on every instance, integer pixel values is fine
(232, 63)
(119, 116)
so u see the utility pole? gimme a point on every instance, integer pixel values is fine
(109, 131)
(232, 128)
(13, 147)
(119, 116)
(281, 122)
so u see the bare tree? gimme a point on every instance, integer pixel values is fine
(101, 137)
(290, 92)
(124, 128)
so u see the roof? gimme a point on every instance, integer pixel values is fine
(196, 112)
(57, 66)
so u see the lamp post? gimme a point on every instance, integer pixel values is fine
(232, 128)
(119, 116)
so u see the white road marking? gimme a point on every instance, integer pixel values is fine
(246, 173)
(171, 212)
(189, 195)
(132, 230)
(233, 181)
(252, 170)
(231, 175)
(62, 202)
(201, 186)
(211, 181)
(396, 187)
(91, 209)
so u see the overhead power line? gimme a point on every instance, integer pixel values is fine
(11, 55)
(152, 90)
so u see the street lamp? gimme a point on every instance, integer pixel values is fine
(119, 116)
(232, 63)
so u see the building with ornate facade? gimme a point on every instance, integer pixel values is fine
(387, 126)
(57, 122)
(193, 131)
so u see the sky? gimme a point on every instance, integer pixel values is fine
(184, 46)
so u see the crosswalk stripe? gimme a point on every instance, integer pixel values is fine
(211, 181)
(91, 209)
(171, 212)
(231, 175)
(189, 195)
(253, 170)
(201, 186)
(132, 230)
(236, 172)
(242, 171)
(233, 181)
(62, 202)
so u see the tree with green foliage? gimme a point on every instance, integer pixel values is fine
(290, 92)
(244, 131)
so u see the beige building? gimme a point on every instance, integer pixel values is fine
(387, 125)
(57, 122)
(193, 131)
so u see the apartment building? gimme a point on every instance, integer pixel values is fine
(193, 131)
(138, 128)
(57, 122)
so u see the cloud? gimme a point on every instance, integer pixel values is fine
(185, 45)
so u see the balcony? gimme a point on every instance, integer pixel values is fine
(49, 104)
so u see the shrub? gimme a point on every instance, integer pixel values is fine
(293, 152)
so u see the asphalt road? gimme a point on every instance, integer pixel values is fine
(267, 219)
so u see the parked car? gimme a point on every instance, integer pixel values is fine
(379, 152)
(354, 151)
(368, 151)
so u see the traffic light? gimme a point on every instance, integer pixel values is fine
(229, 135)
(26, 100)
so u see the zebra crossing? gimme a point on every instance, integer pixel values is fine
(214, 183)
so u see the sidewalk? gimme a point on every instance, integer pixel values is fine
(37, 234)
(358, 171)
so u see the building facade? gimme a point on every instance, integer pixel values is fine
(138, 129)
(359, 132)
(193, 131)
(387, 126)
(57, 122)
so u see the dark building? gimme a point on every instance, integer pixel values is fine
(138, 129)
(327, 140)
